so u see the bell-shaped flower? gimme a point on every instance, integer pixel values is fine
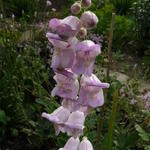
(66, 72)
(72, 144)
(64, 53)
(73, 105)
(58, 117)
(75, 124)
(65, 28)
(85, 145)
(76, 8)
(86, 3)
(91, 93)
(89, 20)
(86, 52)
(66, 87)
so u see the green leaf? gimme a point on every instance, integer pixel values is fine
(3, 118)
(145, 136)
(147, 113)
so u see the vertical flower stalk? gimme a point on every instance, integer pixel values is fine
(74, 59)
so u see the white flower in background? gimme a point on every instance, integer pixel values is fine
(48, 3)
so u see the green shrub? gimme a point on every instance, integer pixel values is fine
(24, 94)
(17, 7)
(141, 14)
(124, 37)
(104, 16)
(122, 7)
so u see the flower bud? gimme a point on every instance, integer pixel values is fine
(89, 20)
(76, 8)
(83, 32)
(86, 3)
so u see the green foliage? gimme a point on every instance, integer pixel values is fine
(124, 37)
(122, 7)
(17, 7)
(24, 91)
(141, 14)
(104, 16)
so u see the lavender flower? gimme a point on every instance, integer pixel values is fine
(72, 144)
(75, 124)
(91, 93)
(85, 145)
(64, 54)
(65, 87)
(67, 27)
(58, 117)
(86, 52)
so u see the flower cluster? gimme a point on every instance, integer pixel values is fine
(73, 62)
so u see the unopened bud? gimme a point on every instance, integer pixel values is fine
(86, 3)
(83, 32)
(89, 20)
(76, 8)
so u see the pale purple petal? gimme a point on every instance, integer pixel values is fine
(75, 124)
(85, 145)
(54, 23)
(86, 52)
(72, 144)
(91, 93)
(65, 87)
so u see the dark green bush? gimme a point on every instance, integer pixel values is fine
(122, 7)
(24, 94)
(104, 16)
(124, 37)
(141, 13)
(18, 7)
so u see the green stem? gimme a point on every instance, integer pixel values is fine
(112, 120)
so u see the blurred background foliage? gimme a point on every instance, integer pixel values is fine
(26, 78)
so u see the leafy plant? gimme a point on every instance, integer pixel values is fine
(20, 7)
(122, 7)
(24, 79)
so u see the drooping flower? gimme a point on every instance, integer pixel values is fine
(66, 72)
(86, 3)
(66, 87)
(64, 53)
(76, 8)
(58, 117)
(67, 27)
(85, 145)
(86, 52)
(91, 93)
(73, 105)
(89, 20)
(75, 124)
(72, 144)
